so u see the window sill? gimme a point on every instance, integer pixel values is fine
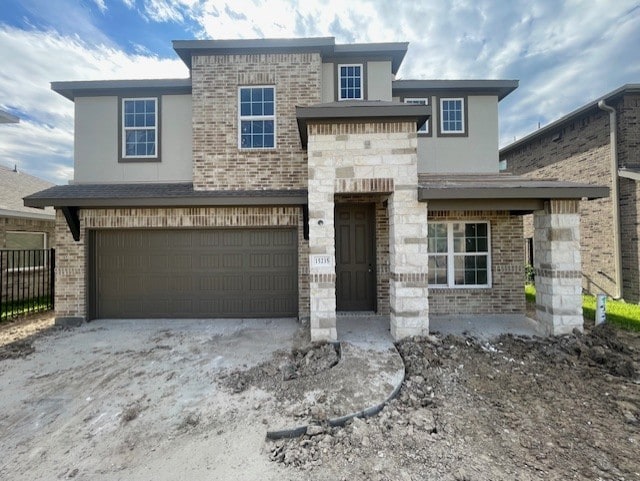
(458, 288)
(127, 160)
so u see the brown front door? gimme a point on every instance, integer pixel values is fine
(355, 257)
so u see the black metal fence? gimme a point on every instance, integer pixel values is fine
(26, 281)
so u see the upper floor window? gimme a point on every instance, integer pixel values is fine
(452, 119)
(459, 254)
(350, 81)
(420, 101)
(257, 118)
(140, 128)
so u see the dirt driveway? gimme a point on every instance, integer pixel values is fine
(136, 400)
(146, 400)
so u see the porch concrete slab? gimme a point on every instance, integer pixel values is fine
(484, 327)
(364, 329)
(369, 374)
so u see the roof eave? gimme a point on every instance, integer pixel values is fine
(97, 88)
(548, 192)
(589, 107)
(304, 115)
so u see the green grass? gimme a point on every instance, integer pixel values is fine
(8, 311)
(619, 313)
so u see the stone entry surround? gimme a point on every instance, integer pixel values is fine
(362, 157)
(556, 244)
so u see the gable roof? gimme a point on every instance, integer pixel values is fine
(585, 109)
(16, 185)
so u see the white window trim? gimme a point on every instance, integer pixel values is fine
(442, 130)
(340, 65)
(450, 254)
(124, 129)
(257, 117)
(414, 101)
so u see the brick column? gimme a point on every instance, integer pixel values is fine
(408, 289)
(322, 250)
(556, 244)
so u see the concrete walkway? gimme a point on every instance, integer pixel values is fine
(369, 373)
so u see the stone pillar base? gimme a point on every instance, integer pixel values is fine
(410, 305)
(558, 267)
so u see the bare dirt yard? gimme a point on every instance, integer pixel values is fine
(108, 401)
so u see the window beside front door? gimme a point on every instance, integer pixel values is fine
(459, 254)
(257, 117)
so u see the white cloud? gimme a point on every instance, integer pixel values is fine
(101, 5)
(565, 54)
(31, 60)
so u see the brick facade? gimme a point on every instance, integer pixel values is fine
(26, 225)
(629, 155)
(582, 154)
(218, 163)
(71, 256)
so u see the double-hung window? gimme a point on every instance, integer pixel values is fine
(350, 82)
(140, 128)
(452, 119)
(257, 116)
(420, 101)
(459, 254)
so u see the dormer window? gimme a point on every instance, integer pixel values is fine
(350, 82)
(140, 128)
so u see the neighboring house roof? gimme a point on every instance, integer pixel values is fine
(500, 191)
(16, 185)
(326, 46)
(360, 109)
(501, 88)
(157, 194)
(7, 118)
(93, 88)
(585, 109)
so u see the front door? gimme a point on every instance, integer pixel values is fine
(355, 257)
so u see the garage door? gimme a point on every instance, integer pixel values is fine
(195, 273)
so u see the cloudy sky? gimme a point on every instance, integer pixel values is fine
(565, 53)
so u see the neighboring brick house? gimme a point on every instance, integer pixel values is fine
(22, 227)
(579, 147)
(299, 178)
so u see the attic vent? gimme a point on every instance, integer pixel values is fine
(556, 137)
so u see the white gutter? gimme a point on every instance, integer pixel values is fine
(615, 196)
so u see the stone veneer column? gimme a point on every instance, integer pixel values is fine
(322, 258)
(556, 244)
(409, 287)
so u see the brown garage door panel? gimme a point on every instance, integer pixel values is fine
(195, 273)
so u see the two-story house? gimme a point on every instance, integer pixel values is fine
(596, 143)
(297, 177)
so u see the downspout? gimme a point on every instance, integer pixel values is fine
(615, 196)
